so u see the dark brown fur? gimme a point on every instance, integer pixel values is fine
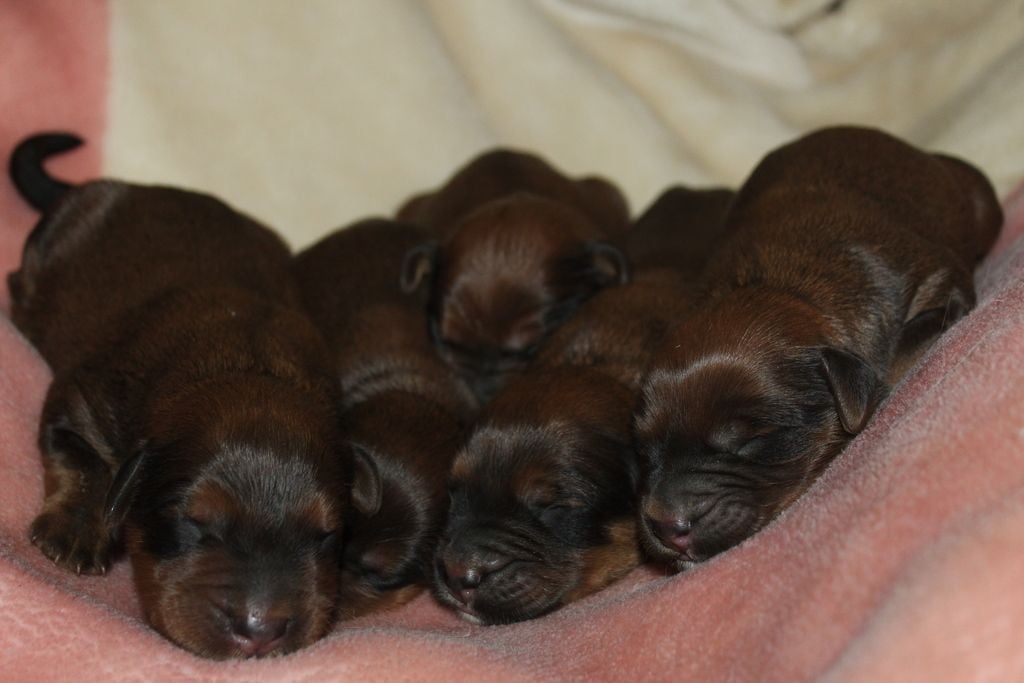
(403, 408)
(544, 492)
(540, 496)
(848, 253)
(518, 248)
(679, 230)
(495, 174)
(191, 414)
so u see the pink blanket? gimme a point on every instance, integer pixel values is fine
(903, 562)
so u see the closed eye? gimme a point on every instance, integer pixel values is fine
(751, 447)
(551, 513)
(327, 538)
(520, 354)
(380, 580)
(204, 533)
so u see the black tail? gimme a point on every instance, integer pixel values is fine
(28, 174)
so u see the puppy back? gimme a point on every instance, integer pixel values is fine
(378, 334)
(502, 172)
(107, 248)
(943, 199)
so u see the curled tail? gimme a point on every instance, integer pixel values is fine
(28, 174)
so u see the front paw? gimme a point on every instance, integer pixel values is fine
(81, 546)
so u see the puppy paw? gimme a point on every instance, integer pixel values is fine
(79, 545)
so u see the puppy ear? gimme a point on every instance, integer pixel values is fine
(419, 264)
(608, 263)
(932, 317)
(367, 490)
(855, 385)
(121, 494)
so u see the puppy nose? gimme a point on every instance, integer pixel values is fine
(462, 580)
(674, 533)
(259, 634)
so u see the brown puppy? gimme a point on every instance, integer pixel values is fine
(848, 252)
(191, 411)
(519, 247)
(403, 408)
(679, 230)
(498, 173)
(544, 493)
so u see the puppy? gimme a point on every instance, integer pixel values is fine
(848, 252)
(679, 230)
(191, 413)
(544, 494)
(518, 248)
(498, 173)
(403, 409)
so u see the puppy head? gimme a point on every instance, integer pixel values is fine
(388, 551)
(740, 412)
(501, 172)
(233, 527)
(514, 270)
(542, 500)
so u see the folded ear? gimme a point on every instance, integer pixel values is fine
(121, 494)
(932, 318)
(941, 300)
(855, 385)
(608, 263)
(366, 485)
(418, 266)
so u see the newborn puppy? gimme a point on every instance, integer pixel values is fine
(403, 410)
(544, 493)
(679, 230)
(542, 498)
(518, 248)
(498, 173)
(191, 413)
(848, 252)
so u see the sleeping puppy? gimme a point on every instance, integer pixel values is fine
(678, 230)
(191, 414)
(544, 494)
(542, 498)
(848, 253)
(403, 409)
(498, 173)
(517, 248)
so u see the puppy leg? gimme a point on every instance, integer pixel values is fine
(72, 530)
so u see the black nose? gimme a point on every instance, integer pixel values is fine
(675, 533)
(257, 633)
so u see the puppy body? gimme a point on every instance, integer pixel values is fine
(544, 493)
(519, 247)
(847, 253)
(191, 414)
(679, 230)
(496, 174)
(403, 408)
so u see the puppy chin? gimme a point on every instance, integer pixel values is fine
(515, 599)
(704, 544)
(465, 612)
